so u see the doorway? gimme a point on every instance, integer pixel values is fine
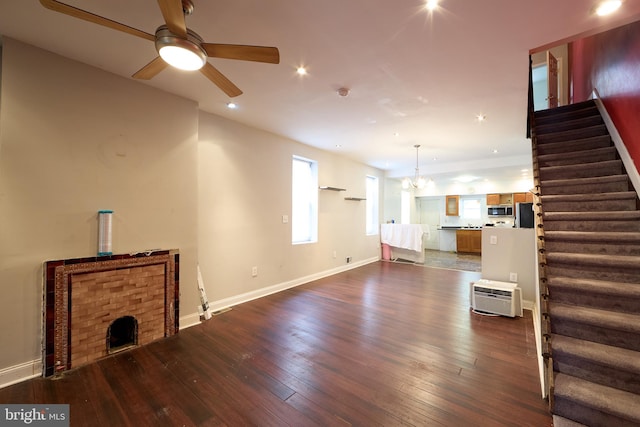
(429, 210)
(549, 92)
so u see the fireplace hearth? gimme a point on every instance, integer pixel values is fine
(99, 306)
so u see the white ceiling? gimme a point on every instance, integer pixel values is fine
(423, 76)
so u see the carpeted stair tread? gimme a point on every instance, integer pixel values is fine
(605, 399)
(592, 216)
(595, 317)
(601, 354)
(579, 285)
(589, 236)
(597, 197)
(578, 157)
(544, 117)
(597, 260)
(596, 221)
(564, 112)
(563, 147)
(582, 170)
(572, 135)
(593, 242)
(570, 123)
(548, 120)
(596, 202)
(585, 185)
(565, 108)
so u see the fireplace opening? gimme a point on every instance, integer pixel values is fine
(122, 334)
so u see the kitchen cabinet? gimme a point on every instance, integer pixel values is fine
(522, 197)
(469, 241)
(493, 199)
(451, 204)
(500, 199)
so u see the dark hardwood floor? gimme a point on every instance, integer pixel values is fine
(385, 344)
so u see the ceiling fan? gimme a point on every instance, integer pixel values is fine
(175, 40)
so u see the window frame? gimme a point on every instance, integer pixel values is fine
(309, 191)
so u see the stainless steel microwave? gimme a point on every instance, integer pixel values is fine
(500, 210)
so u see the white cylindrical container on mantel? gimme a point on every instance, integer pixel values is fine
(105, 220)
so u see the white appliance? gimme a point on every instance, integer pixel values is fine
(493, 297)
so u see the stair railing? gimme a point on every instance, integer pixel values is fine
(540, 246)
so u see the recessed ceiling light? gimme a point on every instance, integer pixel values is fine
(431, 4)
(495, 151)
(607, 7)
(232, 105)
(481, 118)
(301, 71)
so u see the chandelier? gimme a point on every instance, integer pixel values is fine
(417, 181)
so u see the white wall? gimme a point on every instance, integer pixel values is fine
(245, 189)
(513, 252)
(75, 139)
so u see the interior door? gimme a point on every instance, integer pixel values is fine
(552, 80)
(430, 215)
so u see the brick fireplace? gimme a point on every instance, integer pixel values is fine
(101, 305)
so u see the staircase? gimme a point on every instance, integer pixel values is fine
(589, 241)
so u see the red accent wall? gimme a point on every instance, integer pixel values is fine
(610, 63)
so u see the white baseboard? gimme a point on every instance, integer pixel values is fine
(21, 372)
(528, 305)
(189, 320)
(259, 293)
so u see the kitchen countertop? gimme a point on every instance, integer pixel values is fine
(460, 227)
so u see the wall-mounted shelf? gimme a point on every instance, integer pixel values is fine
(355, 198)
(332, 188)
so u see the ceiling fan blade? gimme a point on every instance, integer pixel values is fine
(93, 18)
(220, 80)
(270, 55)
(173, 16)
(151, 69)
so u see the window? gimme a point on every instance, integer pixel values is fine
(304, 201)
(372, 205)
(471, 209)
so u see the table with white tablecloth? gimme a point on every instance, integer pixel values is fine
(405, 241)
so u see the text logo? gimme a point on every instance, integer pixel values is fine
(34, 415)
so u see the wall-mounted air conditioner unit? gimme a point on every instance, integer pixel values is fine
(492, 297)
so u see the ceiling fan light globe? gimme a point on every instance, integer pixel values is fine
(182, 58)
(183, 53)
